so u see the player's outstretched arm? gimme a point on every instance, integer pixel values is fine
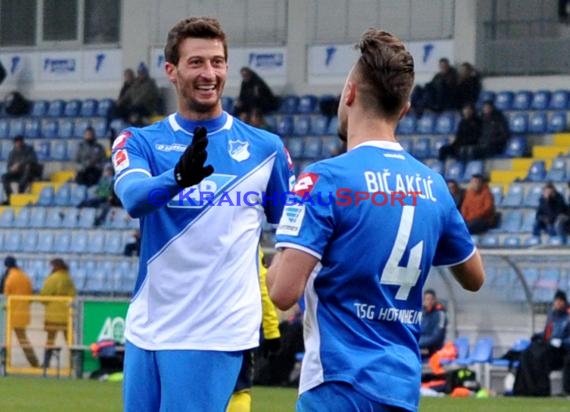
(287, 276)
(470, 274)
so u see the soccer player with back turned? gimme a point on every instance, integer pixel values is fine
(196, 304)
(362, 266)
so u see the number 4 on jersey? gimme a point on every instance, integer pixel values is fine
(394, 274)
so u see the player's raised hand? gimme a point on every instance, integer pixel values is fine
(190, 169)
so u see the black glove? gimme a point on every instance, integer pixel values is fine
(190, 170)
(269, 347)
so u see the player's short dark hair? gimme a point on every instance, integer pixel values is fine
(193, 27)
(430, 292)
(385, 72)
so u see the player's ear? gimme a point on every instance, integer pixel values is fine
(405, 110)
(170, 72)
(349, 93)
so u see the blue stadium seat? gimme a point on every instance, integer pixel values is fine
(96, 242)
(69, 218)
(55, 108)
(514, 196)
(533, 195)
(537, 122)
(511, 221)
(504, 100)
(557, 122)
(228, 104)
(559, 100)
(65, 128)
(104, 107)
(558, 170)
(445, 123)
(79, 276)
(482, 353)
(540, 100)
(554, 241)
(531, 241)
(72, 108)
(301, 125)
(54, 217)
(285, 126)
(46, 196)
(88, 108)
(516, 146)
(39, 108)
(79, 126)
(114, 242)
(4, 128)
(529, 217)
(58, 150)
(473, 167)
(31, 128)
(117, 218)
(49, 128)
(29, 241)
(42, 149)
(319, 124)
(518, 122)
(307, 104)
(13, 240)
(435, 165)
(497, 192)
(332, 128)
(536, 171)
(454, 171)
(512, 242)
(22, 219)
(489, 241)
(77, 195)
(38, 217)
(422, 148)
(289, 104)
(119, 124)
(96, 281)
(486, 95)
(436, 145)
(86, 218)
(407, 125)
(16, 127)
(331, 146)
(295, 147)
(522, 100)
(79, 241)
(5, 148)
(99, 124)
(63, 195)
(62, 241)
(426, 124)
(312, 147)
(45, 241)
(407, 145)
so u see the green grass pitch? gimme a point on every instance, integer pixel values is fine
(65, 395)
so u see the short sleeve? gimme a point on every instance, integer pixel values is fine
(127, 156)
(455, 245)
(308, 218)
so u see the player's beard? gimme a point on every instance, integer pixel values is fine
(342, 131)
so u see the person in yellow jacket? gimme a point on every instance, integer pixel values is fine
(241, 398)
(58, 283)
(18, 283)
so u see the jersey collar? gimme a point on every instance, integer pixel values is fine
(177, 122)
(381, 144)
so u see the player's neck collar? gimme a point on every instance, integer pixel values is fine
(212, 125)
(381, 144)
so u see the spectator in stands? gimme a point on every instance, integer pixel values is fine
(23, 167)
(494, 132)
(141, 99)
(128, 80)
(18, 283)
(562, 224)
(550, 206)
(457, 192)
(478, 207)
(2, 72)
(468, 85)
(548, 351)
(257, 119)
(440, 93)
(434, 324)
(90, 157)
(254, 93)
(133, 247)
(57, 284)
(466, 137)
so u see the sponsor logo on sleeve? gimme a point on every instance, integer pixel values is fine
(120, 160)
(305, 183)
(291, 220)
(289, 160)
(121, 140)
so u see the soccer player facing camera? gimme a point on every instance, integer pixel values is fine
(196, 304)
(362, 267)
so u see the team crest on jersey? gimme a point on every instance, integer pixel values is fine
(120, 160)
(121, 140)
(239, 150)
(305, 183)
(291, 220)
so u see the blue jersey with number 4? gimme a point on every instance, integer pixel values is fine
(378, 220)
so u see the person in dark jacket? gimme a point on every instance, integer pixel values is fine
(495, 132)
(466, 137)
(434, 324)
(23, 167)
(550, 206)
(254, 94)
(468, 85)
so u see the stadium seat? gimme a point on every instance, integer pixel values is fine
(489, 241)
(38, 217)
(4, 128)
(454, 171)
(295, 147)
(86, 218)
(77, 194)
(99, 124)
(46, 197)
(307, 104)
(319, 125)
(522, 100)
(45, 241)
(435, 165)
(96, 242)
(422, 148)
(285, 126)
(445, 123)
(42, 149)
(119, 125)
(96, 281)
(473, 167)
(486, 95)
(228, 104)
(55, 108)
(31, 128)
(114, 243)
(54, 217)
(13, 240)
(63, 195)
(540, 100)
(529, 217)
(426, 124)
(49, 128)
(79, 126)
(559, 100)
(88, 108)
(39, 108)
(22, 219)
(79, 241)
(72, 108)
(437, 143)
(58, 150)
(79, 276)
(512, 242)
(330, 146)
(332, 128)
(407, 125)
(104, 107)
(516, 146)
(407, 145)
(482, 353)
(289, 104)
(536, 171)
(533, 195)
(558, 170)
(61, 242)
(531, 241)
(537, 122)
(16, 127)
(301, 125)
(514, 196)
(69, 218)
(5, 148)
(557, 122)
(511, 221)
(65, 128)
(518, 122)
(504, 100)
(497, 192)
